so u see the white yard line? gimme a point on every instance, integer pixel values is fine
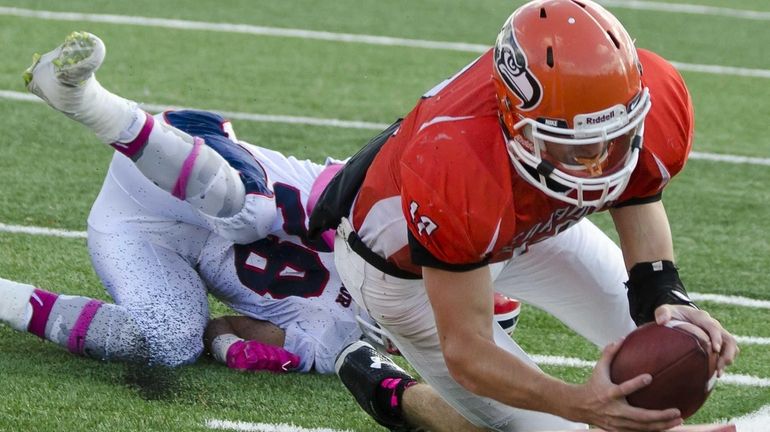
(733, 379)
(262, 427)
(335, 37)
(711, 298)
(754, 422)
(757, 421)
(731, 300)
(353, 124)
(721, 70)
(242, 29)
(752, 340)
(232, 115)
(729, 158)
(53, 232)
(687, 8)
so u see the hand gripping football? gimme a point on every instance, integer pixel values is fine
(683, 370)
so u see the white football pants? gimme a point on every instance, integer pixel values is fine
(577, 276)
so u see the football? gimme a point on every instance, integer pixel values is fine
(683, 370)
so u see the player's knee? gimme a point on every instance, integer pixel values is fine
(177, 347)
(215, 187)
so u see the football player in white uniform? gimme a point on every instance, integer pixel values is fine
(185, 210)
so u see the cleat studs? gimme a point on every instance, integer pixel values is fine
(27, 75)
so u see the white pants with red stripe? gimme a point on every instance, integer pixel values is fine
(577, 276)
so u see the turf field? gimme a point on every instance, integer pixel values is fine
(319, 78)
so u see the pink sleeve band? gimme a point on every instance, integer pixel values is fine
(132, 148)
(77, 338)
(180, 187)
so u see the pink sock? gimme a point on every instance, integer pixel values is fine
(42, 303)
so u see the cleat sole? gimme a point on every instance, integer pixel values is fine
(27, 75)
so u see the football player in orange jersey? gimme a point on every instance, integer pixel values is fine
(485, 186)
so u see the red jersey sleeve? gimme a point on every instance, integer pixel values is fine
(451, 195)
(668, 129)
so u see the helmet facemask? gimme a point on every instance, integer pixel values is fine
(591, 163)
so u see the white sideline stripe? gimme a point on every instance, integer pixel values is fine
(18, 229)
(729, 158)
(753, 422)
(733, 379)
(262, 427)
(320, 35)
(308, 121)
(548, 360)
(721, 70)
(242, 28)
(713, 298)
(232, 115)
(752, 340)
(686, 8)
(731, 300)
(353, 124)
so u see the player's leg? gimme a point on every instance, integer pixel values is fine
(173, 160)
(157, 286)
(403, 309)
(578, 276)
(160, 316)
(424, 408)
(391, 396)
(83, 325)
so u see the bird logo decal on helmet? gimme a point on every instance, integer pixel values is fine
(511, 64)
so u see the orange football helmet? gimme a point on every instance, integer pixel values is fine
(571, 99)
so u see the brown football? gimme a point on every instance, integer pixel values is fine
(683, 371)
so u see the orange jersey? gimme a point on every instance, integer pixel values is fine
(443, 192)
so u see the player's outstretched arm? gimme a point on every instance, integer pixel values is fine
(247, 344)
(479, 365)
(654, 288)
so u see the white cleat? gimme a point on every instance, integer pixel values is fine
(65, 79)
(14, 304)
(59, 76)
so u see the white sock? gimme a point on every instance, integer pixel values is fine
(14, 304)
(104, 112)
(221, 344)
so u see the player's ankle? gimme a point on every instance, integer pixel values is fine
(390, 394)
(111, 117)
(133, 138)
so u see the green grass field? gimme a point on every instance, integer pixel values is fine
(51, 170)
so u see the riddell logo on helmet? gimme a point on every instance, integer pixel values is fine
(600, 118)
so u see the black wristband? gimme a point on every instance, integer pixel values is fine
(651, 284)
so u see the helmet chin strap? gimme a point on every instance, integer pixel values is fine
(593, 165)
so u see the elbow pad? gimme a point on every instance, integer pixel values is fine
(652, 284)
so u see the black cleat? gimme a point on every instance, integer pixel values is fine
(365, 372)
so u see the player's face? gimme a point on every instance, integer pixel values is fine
(594, 159)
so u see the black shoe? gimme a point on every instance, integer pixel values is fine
(364, 370)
